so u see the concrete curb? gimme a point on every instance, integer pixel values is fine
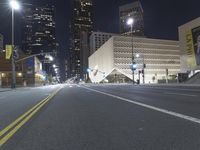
(153, 85)
(6, 90)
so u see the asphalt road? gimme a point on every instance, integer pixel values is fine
(102, 117)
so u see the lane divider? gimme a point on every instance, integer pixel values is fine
(12, 128)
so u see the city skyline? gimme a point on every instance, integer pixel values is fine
(152, 18)
(99, 75)
(159, 22)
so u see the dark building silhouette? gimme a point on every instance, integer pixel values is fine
(38, 29)
(135, 11)
(81, 22)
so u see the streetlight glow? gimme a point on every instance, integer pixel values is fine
(137, 55)
(54, 66)
(14, 5)
(51, 58)
(130, 21)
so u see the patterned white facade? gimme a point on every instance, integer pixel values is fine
(115, 57)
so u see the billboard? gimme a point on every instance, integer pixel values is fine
(196, 44)
(193, 47)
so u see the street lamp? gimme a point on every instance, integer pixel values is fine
(54, 66)
(130, 22)
(51, 58)
(14, 4)
(138, 55)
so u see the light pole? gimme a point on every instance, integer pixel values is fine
(130, 22)
(14, 6)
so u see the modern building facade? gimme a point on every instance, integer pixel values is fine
(97, 39)
(113, 60)
(81, 22)
(133, 10)
(189, 37)
(38, 28)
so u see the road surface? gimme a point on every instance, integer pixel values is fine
(100, 117)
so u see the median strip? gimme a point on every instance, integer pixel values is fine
(11, 129)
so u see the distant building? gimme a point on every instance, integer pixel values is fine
(135, 11)
(81, 21)
(84, 54)
(38, 28)
(113, 60)
(189, 37)
(1, 42)
(28, 72)
(97, 39)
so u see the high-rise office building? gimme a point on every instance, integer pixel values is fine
(81, 22)
(97, 39)
(135, 11)
(38, 29)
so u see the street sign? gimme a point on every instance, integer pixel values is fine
(8, 51)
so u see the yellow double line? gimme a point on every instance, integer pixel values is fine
(11, 129)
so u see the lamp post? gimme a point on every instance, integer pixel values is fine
(14, 6)
(130, 22)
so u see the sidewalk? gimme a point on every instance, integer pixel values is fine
(174, 84)
(4, 89)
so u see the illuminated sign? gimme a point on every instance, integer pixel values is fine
(196, 44)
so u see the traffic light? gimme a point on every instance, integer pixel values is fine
(144, 65)
(134, 66)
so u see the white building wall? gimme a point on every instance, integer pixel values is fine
(183, 44)
(101, 62)
(158, 55)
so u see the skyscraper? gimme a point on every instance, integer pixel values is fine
(97, 39)
(81, 21)
(38, 29)
(135, 11)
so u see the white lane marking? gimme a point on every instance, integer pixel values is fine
(171, 113)
(169, 93)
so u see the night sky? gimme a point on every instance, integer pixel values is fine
(162, 17)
